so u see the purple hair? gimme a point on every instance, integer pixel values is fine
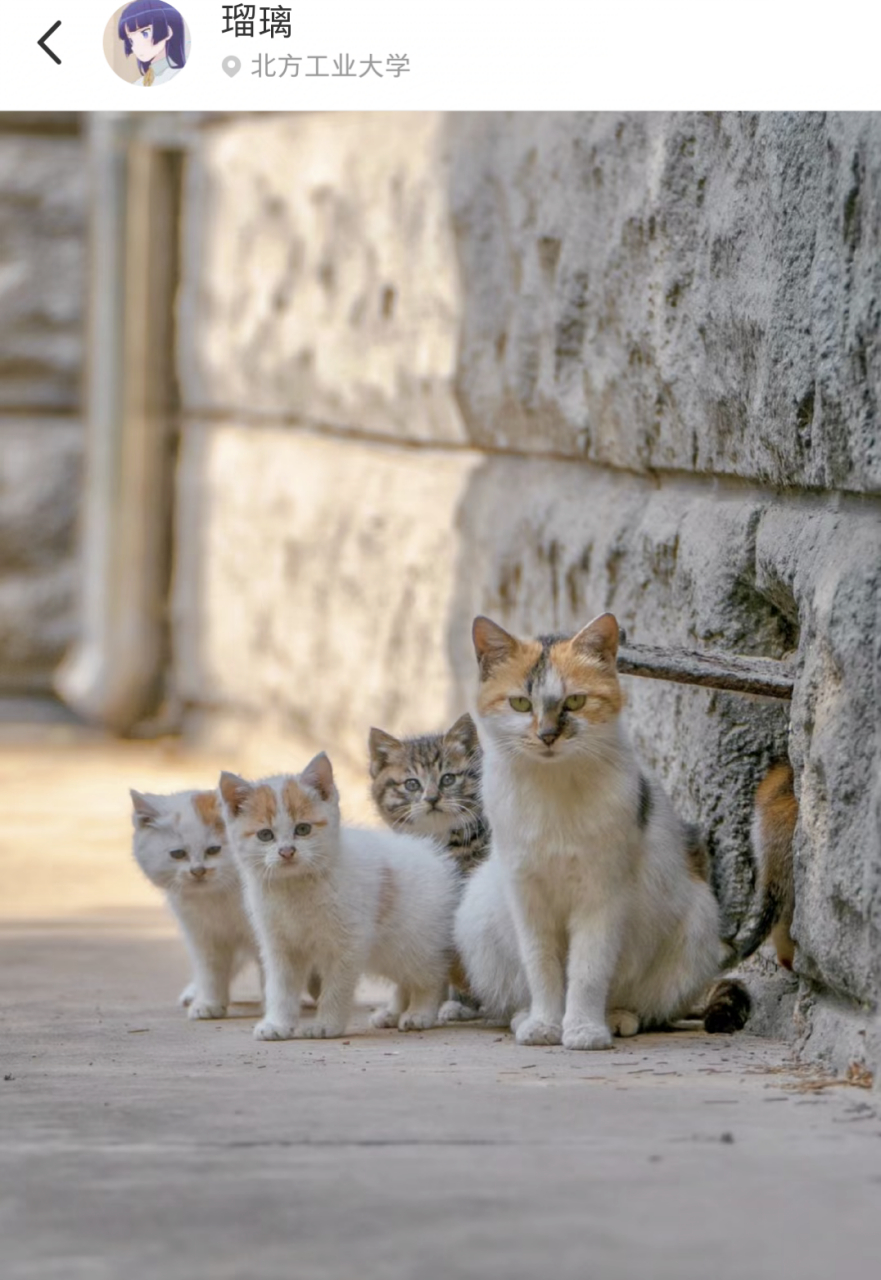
(155, 14)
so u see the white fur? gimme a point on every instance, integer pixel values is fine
(350, 902)
(580, 916)
(209, 909)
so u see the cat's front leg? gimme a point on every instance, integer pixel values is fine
(540, 953)
(213, 967)
(334, 1003)
(421, 1013)
(285, 975)
(390, 1014)
(593, 953)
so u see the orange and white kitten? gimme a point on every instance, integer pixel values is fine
(590, 913)
(338, 902)
(180, 843)
(774, 818)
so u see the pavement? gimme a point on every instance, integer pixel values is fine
(134, 1143)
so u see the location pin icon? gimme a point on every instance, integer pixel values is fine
(232, 66)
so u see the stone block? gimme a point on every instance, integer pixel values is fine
(37, 623)
(680, 291)
(43, 195)
(311, 581)
(320, 280)
(40, 476)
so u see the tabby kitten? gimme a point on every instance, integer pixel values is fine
(181, 845)
(430, 786)
(590, 916)
(338, 902)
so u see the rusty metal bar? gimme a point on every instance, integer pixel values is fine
(765, 677)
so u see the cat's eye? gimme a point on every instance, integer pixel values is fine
(520, 704)
(302, 828)
(448, 780)
(265, 835)
(212, 851)
(177, 854)
(575, 701)
(412, 784)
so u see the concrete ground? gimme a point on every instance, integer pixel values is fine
(134, 1143)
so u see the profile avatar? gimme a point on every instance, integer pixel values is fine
(155, 35)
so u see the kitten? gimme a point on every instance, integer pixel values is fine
(592, 876)
(339, 902)
(430, 786)
(180, 843)
(774, 817)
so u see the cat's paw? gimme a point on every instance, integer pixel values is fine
(202, 1009)
(456, 1011)
(266, 1030)
(384, 1017)
(187, 996)
(623, 1023)
(416, 1021)
(587, 1035)
(318, 1030)
(536, 1031)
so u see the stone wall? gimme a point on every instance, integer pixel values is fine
(42, 257)
(540, 366)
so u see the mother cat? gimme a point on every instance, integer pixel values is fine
(592, 911)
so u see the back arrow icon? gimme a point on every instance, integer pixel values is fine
(43, 45)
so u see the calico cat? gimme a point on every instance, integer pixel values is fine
(180, 844)
(592, 877)
(338, 902)
(430, 786)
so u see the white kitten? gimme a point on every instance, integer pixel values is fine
(590, 912)
(181, 844)
(338, 902)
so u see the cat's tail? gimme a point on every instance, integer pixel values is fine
(774, 817)
(728, 1007)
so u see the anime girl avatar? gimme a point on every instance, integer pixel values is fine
(155, 33)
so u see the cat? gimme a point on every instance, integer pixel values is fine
(430, 786)
(338, 902)
(592, 877)
(181, 845)
(775, 814)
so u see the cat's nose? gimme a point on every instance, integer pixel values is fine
(432, 798)
(287, 852)
(549, 736)
(198, 872)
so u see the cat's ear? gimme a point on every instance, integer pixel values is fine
(599, 639)
(382, 747)
(144, 814)
(235, 792)
(463, 734)
(319, 774)
(492, 644)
